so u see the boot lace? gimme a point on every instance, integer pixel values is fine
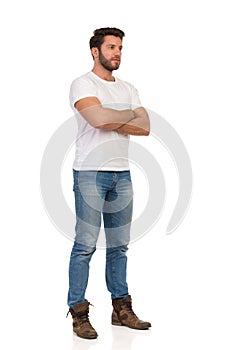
(128, 308)
(83, 316)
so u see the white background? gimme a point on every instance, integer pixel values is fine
(179, 56)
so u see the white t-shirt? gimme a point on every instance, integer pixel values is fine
(98, 149)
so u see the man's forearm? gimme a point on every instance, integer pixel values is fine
(106, 118)
(123, 121)
(112, 119)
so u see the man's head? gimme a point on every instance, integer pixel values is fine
(106, 46)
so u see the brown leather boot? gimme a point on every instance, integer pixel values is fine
(81, 324)
(123, 314)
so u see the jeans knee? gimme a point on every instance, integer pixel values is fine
(81, 249)
(121, 250)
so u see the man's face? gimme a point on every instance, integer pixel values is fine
(110, 53)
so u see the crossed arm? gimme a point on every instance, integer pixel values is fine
(124, 122)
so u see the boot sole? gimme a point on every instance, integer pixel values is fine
(124, 325)
(89, 338)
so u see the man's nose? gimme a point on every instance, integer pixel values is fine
(118, 51)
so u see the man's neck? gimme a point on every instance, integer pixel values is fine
(103, 73)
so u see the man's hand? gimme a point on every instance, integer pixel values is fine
(139, 126)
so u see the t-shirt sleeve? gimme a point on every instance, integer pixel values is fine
(136, 102)
(81, 88)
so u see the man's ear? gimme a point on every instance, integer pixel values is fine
(95, 52)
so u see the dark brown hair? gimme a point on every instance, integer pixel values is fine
(98, 38)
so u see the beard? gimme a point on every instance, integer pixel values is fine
(107, 63)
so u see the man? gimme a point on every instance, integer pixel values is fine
(108, 110)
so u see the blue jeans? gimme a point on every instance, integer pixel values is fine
(100, 194)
